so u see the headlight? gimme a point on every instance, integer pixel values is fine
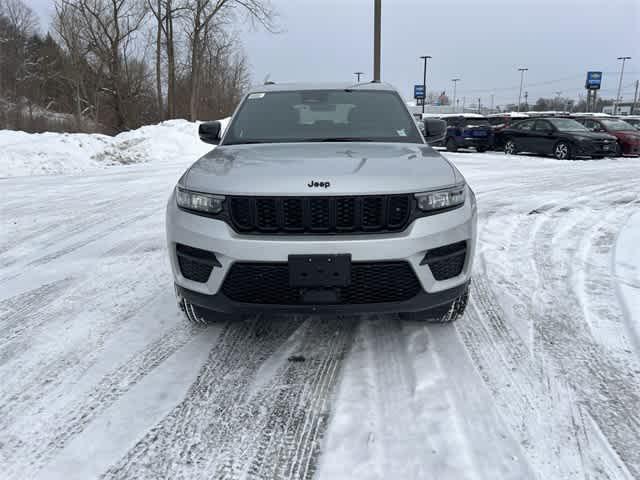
(439, 199)
(201, 202)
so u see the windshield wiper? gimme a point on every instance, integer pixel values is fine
(340, 139)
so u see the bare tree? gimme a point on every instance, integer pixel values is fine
(206, 19)
(109, 27)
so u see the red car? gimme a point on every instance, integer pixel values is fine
(628, 137)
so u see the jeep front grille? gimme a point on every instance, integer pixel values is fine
(320, 215)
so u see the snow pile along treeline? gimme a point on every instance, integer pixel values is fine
(67, 153)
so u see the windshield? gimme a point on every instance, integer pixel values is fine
(616, 125)
(323, 116)
(568, 125)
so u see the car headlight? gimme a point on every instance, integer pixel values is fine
(201, 202)
(440, 199)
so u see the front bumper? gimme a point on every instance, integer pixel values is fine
(409, 245)
(598, 149)
(423, 301)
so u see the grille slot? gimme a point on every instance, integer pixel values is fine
(268, 283)
(446, 262)
(335, 215)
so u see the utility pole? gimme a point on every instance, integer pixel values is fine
(635, 99)
(455, 81)
(377, 21)
(478, 104)
(615, 106)
(526, 100)
(491, 109)
(521, 70)
(357, 74)
(424, 80)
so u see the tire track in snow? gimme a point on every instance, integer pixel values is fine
(592, 447)
(24, 312)
(286, 444)
(608, 385)
(260, 428)
(184, 441)
(54, 435)
(552, 424)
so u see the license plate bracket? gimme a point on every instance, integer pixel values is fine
(324, 271)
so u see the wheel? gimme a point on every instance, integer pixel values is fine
(562, 151)
(597, 157)
(447, 313)
(510, 147)
(618, 150)
(201, 316)
(481, 149)
(452, 146)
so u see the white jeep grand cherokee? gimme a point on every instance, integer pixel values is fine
(322, 198)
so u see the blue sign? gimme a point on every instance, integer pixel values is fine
(594, 80)
(418, 92)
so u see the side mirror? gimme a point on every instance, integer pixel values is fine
(434, 130)
(210, 132)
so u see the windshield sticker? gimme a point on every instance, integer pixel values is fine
(402, 133)
(254, 96)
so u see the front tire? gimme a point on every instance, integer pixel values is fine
(452, 146)
(447, 313)
(562, 151)
(510, 147)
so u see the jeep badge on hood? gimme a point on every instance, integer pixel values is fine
(314, 184)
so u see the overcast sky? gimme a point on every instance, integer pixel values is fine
(482, 42)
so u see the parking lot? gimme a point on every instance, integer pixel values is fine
(541, 379)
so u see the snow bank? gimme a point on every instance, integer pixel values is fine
(65, 153)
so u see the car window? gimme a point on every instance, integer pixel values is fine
(568, 125)
(542, 126)
(524, 125)
(323, 115)
(497, 120)
(616, 125)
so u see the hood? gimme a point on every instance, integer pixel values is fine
(627, 135)
(320, 169)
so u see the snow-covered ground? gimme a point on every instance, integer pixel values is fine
(102, 378)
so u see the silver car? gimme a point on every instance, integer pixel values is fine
(322, 198)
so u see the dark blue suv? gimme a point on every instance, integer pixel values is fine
(466, 130)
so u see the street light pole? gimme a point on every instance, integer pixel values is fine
(615, 107)
(521, 70)
(455, 82)
(424, 79)
(357, 74)
(377, 21)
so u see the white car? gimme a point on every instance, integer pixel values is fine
(322, 198)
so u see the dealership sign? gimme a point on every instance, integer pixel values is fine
(418, 92)
(594, 79)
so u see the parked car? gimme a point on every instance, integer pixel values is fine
(564, 138)
(500, 121)
(466, 130)
(322, 198)
(628, 137)
(633, 121)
